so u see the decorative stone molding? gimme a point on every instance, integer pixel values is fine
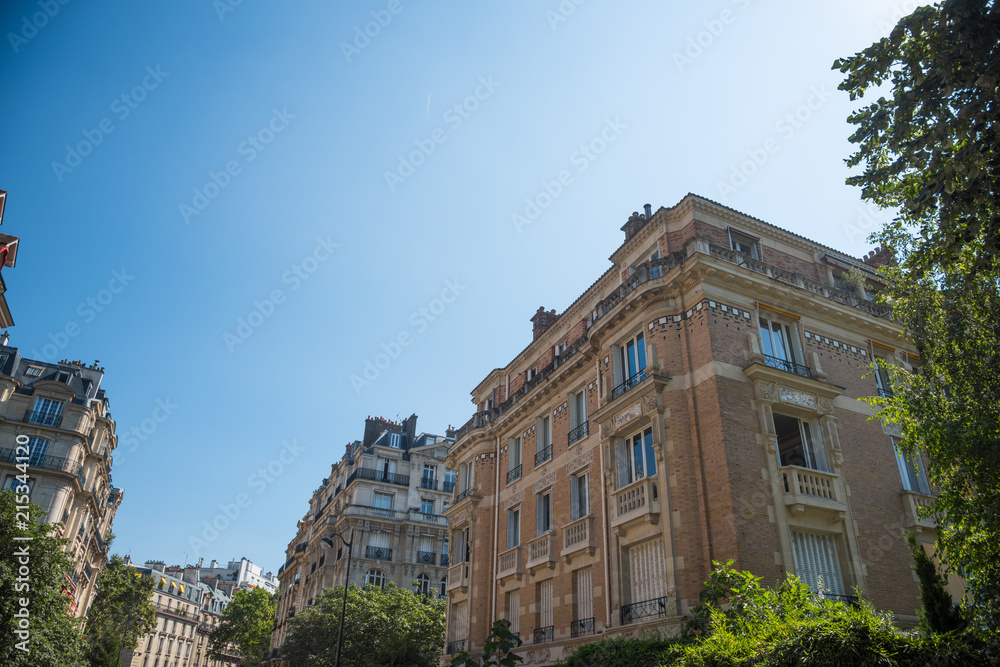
(536, 656)
(545, 482)
(579, 462)
(796, 397)
(513, 499)
(825, 406)
(767, 391)
(650, 403)
(630, 413)
(892, 429)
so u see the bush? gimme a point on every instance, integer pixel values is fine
(621, 652)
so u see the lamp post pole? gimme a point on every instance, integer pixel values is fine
(328, 543)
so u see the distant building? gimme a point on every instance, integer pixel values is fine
(8, 256)
(237, 574)
(187, 610)
(391, 489)
(56, 419)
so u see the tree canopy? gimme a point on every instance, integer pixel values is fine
(930, 149)
(246, 624)
(122, 612)
(32, 565)
(383, 628)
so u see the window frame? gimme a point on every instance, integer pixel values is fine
(789, 331)
(624, 361)
(579, 490)
(739, 238)
(810, 439)
(914, 465)
(513, 527)
(372, 577)
(543, 512)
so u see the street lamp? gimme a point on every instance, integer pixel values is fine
(327, 543)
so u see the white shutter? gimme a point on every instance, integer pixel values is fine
(460, 628)
(648, 571)
(574, 497)
(514, 610)
(379, 539)
(426, 544)
(584, 594)
(621, 453)
(816, 557)
(545, 603)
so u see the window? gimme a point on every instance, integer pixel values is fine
(816, 560)
(444, 554)
(513, 527)
(427, 506)
(780, 344)
(577, 408)
(544, 631)
(635, 458)
(583, 598)
(423, 585)
(33, 371)
(514, 610)
(37, 448)
(579, 496)
(911, 470)
(63, 377)
(543, 439)
(386, 468)
(47, 412)
(743, 243)
(382, 501)
(465, 476)
(12, 483)
(882, 381)
(798, 445)
(462, 548)
(630, 364)
(543, 512)
(513, 459)
(449, 480)
(375, 578)
(429, 479)
(444, 586)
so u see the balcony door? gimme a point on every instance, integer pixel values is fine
(779, 341)
(798, 444)
(647, 572)
(631, 361)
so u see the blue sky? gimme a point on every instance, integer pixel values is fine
(272, 164)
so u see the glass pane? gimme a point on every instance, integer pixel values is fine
(630, 353)
(765, 338)
(650, 457)
(641, 350)
(637, 456)
(778, 342)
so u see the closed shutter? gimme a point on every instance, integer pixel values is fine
(584, 594)
(514, 610)
(379, 539)
(460, 628)
(816, 558)
(648, 571)
(624, 469)
(545, 603)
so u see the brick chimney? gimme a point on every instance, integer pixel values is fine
(541, 321)
(636, 222)
(880, 256)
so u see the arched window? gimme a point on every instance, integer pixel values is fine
(423, 585)
(375, 578)
(444, 587)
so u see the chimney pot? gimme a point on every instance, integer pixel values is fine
(649, 211)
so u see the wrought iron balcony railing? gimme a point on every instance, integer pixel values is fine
(444, 560)
(787, 366)
(628, 384)
(448, 487)
(463, 494)
(428, 483)
(582, 627)
(426, 557)
(378, 553)
(57, 463)
(513, 474)
(656, 608)
(542, 635)
(580, 432)
(455, 646)
(375, 475)
(543, 456)
(43, 418)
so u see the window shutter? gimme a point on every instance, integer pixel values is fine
(574, 497)
(584, 594)
(621, 452)
(545, 592)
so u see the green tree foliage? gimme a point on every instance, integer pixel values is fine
(246, 625)
(939, 613)
(390, 627)
(931, 150)
(54, 639)
(497, 652)
(122, 612)
(621, 652)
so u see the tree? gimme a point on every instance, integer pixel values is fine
(32, 564)
(122, 612)
(498, 650)
(931, 150)
(246, 624)
(939, 613)
(383, 628)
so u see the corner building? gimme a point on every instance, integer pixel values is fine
(698, 402)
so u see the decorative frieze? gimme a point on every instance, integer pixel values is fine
(579, 462)
(630, 413)
(796, 397)
(545, 482)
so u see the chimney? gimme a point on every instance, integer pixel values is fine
(634, 224)
(541, 321)
(880, 256)
(4, 337)
(201, 562)
(214, 564)
(649, 211)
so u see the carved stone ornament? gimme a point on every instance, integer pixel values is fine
(536, 656)
(634, 411)
(650, 403)
(767, 391)
(605, 429)
(797, 397)
(579, 462)
(545, 482)
(892, 429)
(514, 499)
(825, 405)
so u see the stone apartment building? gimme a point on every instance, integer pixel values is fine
(55, 418)
(187, 610)
(698, 402)
(8, 257)
(237, 574)
(391, 488)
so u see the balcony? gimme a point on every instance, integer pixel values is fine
(426, 557)
(542, 635)
(656, 608)
(448, 486)
(514, 474)
(542, 551)
(787, 366)
(444, 560)
(428, 483)
(43, 419)
(915, 506)
(628, 384)
(458, 577)
(463, 495)
(510, 563)
(579, 536)
(579, 433)
(378, 553)
(637, 501)
(57, 463)
(808, 488)
(455, 646)
(543, 455)
(374, 475)
(428, 517)
(582, 627)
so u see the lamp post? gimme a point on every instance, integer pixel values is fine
(327, 543)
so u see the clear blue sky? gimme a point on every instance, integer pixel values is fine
(115, 114)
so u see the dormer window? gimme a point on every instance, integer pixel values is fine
(743, 243)
(33, 371)
(63, 377)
